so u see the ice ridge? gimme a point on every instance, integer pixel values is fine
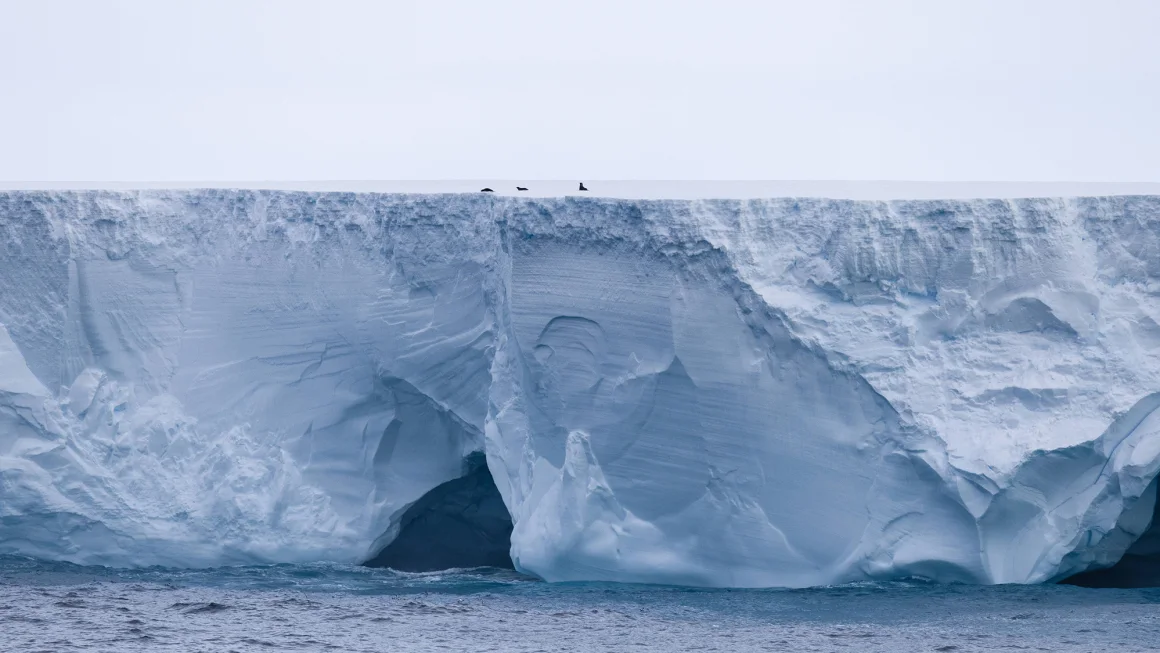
(783, 392)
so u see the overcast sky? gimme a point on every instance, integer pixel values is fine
(1027, 90)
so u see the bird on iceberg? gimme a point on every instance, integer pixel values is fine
(487, 190)
(582, 186)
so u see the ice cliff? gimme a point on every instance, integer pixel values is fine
(726, 393)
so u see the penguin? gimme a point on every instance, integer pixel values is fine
(582, 186)
(520, 188)
(487, 190)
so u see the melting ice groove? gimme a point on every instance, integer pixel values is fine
(726, 393)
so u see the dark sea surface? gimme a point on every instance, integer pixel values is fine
(61, 607)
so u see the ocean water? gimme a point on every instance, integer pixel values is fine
(61, 607)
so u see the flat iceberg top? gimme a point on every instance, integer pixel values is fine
(660, 189)
(729, 392)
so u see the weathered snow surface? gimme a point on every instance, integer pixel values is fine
(710, 392)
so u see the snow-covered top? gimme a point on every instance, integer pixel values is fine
(658, 189)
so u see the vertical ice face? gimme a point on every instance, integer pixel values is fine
(730, 393)
(236, 386)
(696, 412)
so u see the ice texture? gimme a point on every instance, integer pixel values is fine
(783, 392)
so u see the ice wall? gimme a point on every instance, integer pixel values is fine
(712, 392)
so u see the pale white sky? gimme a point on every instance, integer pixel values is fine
(145, 90)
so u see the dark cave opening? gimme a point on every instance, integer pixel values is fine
(1140, 566)
(461, 523)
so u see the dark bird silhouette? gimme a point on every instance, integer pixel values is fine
(520, 188)
(487, 190)
(582, 186)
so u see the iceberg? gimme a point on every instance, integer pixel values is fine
(730, 393)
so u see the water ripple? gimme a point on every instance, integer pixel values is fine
(56, 606)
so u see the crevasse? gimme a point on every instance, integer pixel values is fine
(782, 392)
